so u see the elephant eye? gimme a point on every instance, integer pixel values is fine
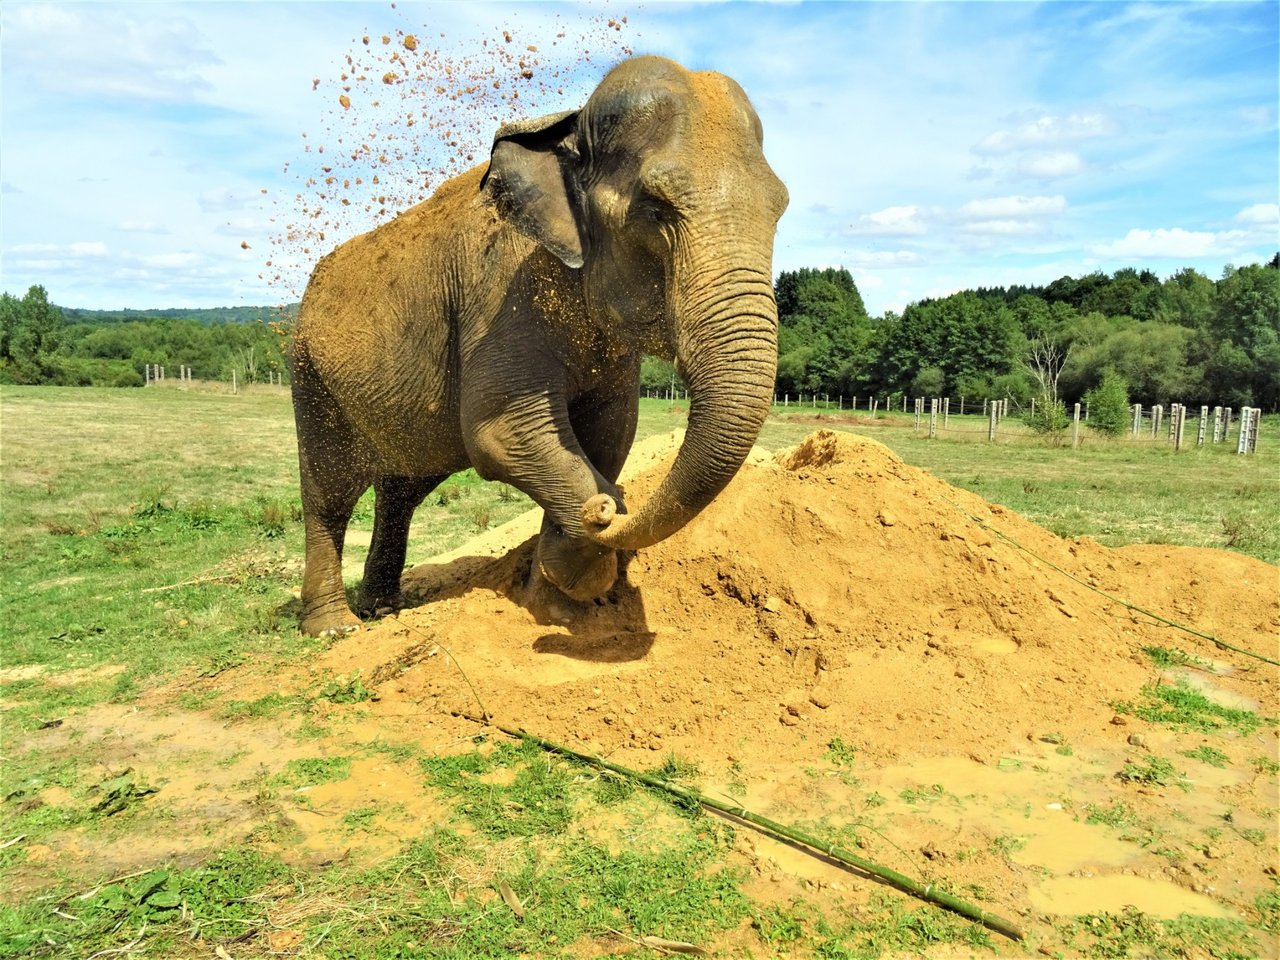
(653, 210)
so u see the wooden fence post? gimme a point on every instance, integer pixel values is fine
(1137, 419)
(933, 418)
(918, 410)
(991, 424)
(1204, 422)
(1075, 428)
(1157, 415)
(1181, 419)
(946, 412)
(1217, 424)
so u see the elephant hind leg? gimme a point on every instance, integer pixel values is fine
(396, 499)
(324, 598)
(335, 468)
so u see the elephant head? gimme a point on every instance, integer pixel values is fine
(659, 192)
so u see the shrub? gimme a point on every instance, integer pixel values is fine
(1109, 404)
(1050, 417)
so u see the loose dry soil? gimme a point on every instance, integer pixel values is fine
(831, 594)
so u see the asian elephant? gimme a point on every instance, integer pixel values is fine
(500, 324)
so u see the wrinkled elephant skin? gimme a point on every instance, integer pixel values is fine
(501, 323)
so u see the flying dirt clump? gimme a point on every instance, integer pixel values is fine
(832, 590)
(405, 114)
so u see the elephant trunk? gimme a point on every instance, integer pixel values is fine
(727, 350)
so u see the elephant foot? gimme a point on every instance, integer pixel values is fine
(379, 603)
(330, 621)
(581, 581)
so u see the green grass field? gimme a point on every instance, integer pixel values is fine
(153, 534)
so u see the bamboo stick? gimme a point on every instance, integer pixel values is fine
(926, 892)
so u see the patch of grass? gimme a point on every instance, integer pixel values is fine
(572, 890)
(516, 790)
(839, 753)
(270, 705)
(1179, 705)
(1007, 845)
(923, 794)
(893, 927)
(674, 770)
(361, 818)
(311, 772)
(1168, 657)
(1153, 770)
(1133, 933)
(1266, 765)
(1207, 754)
(1267, 906)
(345, 690)
(168, 909)
(1119, 815)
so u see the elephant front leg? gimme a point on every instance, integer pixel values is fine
(531, 444)
(396, 498)
(605, 426)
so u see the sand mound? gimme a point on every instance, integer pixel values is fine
(830, 591)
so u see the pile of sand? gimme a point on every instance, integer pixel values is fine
(830, 591)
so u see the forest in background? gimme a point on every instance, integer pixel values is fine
(1188, 339)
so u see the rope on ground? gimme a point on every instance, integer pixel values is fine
(1124, 603)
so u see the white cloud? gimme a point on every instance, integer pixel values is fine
(1019, 208)
(892, 222)
(1051, 166)
(885, 258)
(1171, 243)
(67, 251)
(1048, 131)
(107, 51)
(141, 226)
(1003, 228)
(1261, 215)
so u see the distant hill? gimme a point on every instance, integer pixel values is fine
(206, 315)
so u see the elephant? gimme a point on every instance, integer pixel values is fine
(500, 325)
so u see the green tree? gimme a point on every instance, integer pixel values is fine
(36, 337)
(929, 382)
(10, 318)
(1108, 404)
(825, 336)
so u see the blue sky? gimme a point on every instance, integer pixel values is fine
(152, 153)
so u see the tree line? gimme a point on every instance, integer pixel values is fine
(43, 343)
(1188, 339)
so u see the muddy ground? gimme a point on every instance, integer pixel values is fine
(840, 638)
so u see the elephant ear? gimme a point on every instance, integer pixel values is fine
(530, 178)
